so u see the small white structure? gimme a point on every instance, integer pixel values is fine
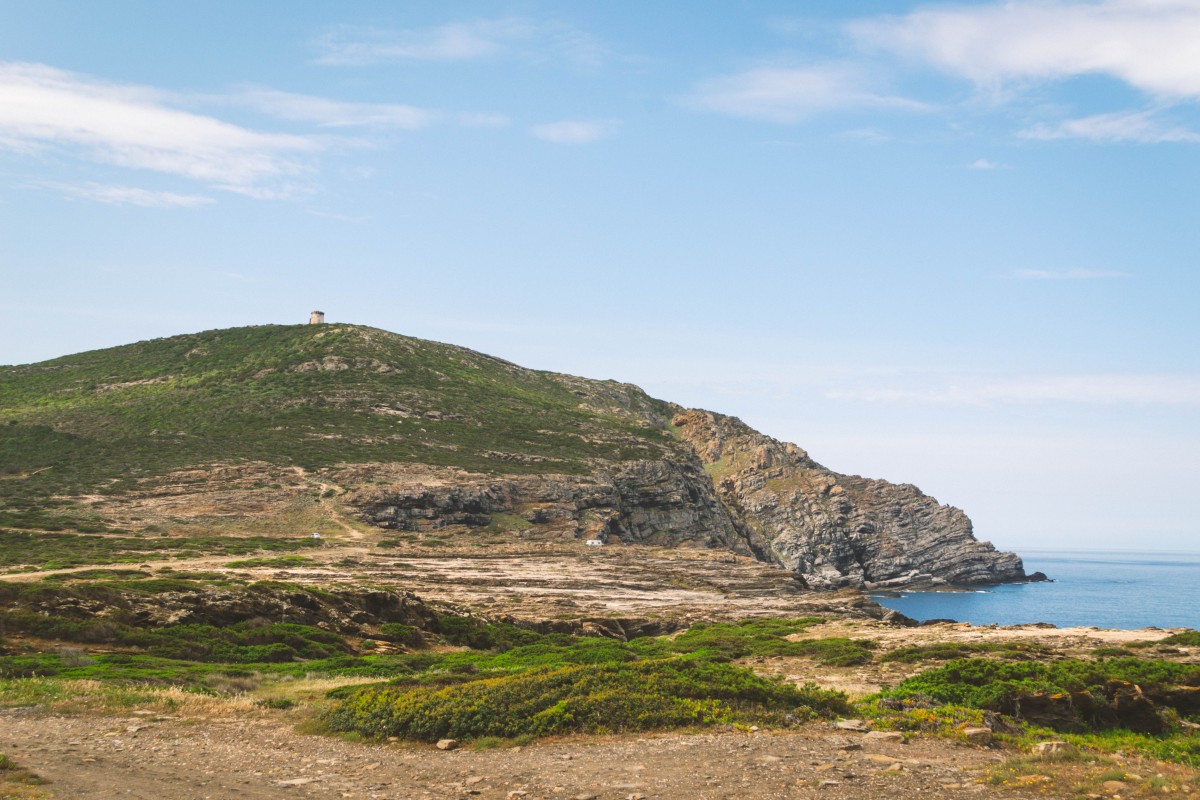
(594, 542)
(316, 318)
(314, 536)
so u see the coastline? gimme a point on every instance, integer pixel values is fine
(1113, 589)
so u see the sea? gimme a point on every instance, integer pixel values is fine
(1107, 589)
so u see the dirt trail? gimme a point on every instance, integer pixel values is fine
(330, 508)
(150, 758)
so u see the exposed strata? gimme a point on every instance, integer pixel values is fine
(735, 489)
(666, 503)
(833, 529)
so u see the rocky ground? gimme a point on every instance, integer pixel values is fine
(151, 758)
(238, 750)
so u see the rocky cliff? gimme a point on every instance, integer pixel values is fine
(731, 488)
(837, 530)
(665, 503)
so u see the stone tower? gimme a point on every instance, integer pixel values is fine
(316, 318)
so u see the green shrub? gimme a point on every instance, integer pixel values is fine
(1000, 686)
(409, 635)
(480, 635)
(591, 698)
(276, 561)
(751, 637)
(946, 651)
(1185, 638)
(1112, 652)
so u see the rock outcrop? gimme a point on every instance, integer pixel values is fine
(732, 488)
(838, 530)
(666, 503)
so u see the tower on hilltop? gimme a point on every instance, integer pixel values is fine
(316, 318)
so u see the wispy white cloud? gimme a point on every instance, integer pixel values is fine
(128, 195)
(334, 113)
(472, 119)
(574, 131)
(1067, 274)
(1104, 389)
(986, 164)
(1003, 48)
(356, 220)
(460, 41)
(133, 126)
(868, 135)
(792, 94)
(1151, 45)
(1140, 127)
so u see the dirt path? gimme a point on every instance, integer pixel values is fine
(150, 758)
(332, 511)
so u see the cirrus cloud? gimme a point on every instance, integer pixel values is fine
(471, 40)
(1137, 126)
(42, 108)
(792, 94)
(573, 131)
(128, 195)
(334, 113)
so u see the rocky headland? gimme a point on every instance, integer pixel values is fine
(216, 432)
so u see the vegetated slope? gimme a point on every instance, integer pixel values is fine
(426, 436)
(311, 396)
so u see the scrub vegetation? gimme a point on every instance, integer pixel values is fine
(306, 395)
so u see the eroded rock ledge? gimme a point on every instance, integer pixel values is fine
(732, 488)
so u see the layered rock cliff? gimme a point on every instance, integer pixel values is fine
(838, 530)
(731, 488)
(664, 503)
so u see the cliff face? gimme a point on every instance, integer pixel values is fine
(733, 488)
(837, 530)
(665, 503)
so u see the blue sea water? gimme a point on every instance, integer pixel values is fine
(1114, 589)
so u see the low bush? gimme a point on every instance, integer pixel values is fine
(765, 638)
(276, 561)
(1185, 638)
(479, 635)
(1069, 694)
(947, 651)
(589, 698)
(409, 635)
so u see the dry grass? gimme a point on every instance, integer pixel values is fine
(18, 783)
(80, 696)
(308, 691)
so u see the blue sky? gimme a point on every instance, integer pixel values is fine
(947, 244)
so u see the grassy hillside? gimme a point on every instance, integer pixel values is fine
(303, 395)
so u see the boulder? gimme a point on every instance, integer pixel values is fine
(978, 736)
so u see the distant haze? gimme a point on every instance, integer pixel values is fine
(946, 244)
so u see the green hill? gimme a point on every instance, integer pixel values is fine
(306, 395)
